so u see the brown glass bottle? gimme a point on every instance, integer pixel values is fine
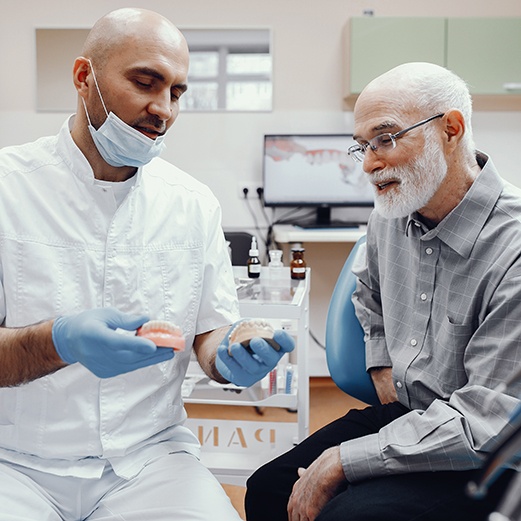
(253, 263)
(298, 264)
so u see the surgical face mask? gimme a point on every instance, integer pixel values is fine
(118, 143)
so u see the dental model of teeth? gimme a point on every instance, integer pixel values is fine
(244, 331)
(163, 334)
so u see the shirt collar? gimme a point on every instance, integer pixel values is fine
(462, 226)
(73, 157)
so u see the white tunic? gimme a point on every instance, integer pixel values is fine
(66, 246)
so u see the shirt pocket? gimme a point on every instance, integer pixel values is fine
(450, 345)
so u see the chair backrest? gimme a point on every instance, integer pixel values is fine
(345, 346)
(240, 243)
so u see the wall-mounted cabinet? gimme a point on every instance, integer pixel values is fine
(376, 45)
(485, 52)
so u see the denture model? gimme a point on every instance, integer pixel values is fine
(244, 331)
(163, 334)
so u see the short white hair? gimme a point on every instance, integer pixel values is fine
(442, 92)
(430, 89)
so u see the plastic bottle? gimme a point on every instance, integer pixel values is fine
(253, 264)
(288, 384)
(298, 264)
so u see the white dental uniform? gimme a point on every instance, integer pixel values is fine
(66, 246)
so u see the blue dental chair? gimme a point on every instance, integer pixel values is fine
(345, 346)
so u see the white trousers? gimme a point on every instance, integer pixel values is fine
(176, 487)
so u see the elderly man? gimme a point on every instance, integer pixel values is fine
(438, 296)
(99, 234)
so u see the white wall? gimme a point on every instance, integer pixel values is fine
(224, 150)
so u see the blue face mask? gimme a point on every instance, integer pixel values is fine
(118, 143)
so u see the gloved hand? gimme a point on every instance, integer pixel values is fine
(239, 366)
(90, 339)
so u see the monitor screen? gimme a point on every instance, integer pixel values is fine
(313, 170)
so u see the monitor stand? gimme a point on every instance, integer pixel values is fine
(323, 220)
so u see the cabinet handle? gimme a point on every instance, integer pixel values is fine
(512, 86)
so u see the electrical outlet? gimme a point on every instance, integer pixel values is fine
(252, 190)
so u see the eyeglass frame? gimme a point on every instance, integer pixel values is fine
(361, 149)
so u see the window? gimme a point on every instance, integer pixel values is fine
(230, 69)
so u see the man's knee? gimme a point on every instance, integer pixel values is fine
(258, 486)
(267, 492)
(260, 479)
(345, 507)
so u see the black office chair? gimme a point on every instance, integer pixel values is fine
(240, 243)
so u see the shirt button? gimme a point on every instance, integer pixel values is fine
(423, 296)
(414, 342)
(417, 224)
(428, 251)
(399, 385)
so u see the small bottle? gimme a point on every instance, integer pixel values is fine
(288, 384)
(298, 264)
(275, 267)
(273, 381)
(253, 263)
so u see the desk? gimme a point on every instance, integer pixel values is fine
(326, 251)
(288, 233)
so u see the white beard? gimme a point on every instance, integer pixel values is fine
(418, 182)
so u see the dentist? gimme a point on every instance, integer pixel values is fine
(98, 234)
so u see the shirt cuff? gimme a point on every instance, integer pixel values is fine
(362, 458)
(376, 353)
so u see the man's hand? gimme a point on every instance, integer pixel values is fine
(244, 368)
(383, 381)
(317, 485)
(90, 339)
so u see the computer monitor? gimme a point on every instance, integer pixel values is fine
(313, 170)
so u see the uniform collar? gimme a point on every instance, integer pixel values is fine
(73, 157)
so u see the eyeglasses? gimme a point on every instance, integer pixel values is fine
(383, 142)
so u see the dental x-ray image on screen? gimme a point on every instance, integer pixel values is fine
(313, 170)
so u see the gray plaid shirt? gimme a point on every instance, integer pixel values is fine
(442, 307)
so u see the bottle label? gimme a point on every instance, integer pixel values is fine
(298, 270)
(254, 268)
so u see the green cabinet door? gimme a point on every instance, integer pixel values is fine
(486, 52)
(378, 44)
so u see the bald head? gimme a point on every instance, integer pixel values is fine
(128, 26)
(134, 65)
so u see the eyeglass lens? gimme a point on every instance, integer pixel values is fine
(357, 152)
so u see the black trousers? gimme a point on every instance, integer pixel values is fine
(401, 497)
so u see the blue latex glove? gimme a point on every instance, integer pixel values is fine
(90, 339)
(242, 367)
